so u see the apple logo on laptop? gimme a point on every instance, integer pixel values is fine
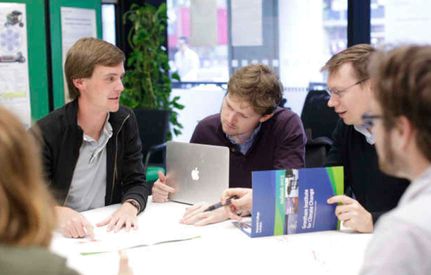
(195, 174)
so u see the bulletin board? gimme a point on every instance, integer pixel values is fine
(70, 20)
(23, 54)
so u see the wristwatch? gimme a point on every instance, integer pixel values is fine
(135, 204)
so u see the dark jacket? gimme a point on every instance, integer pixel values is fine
(61, 139)
(375, 191)
(280, 144)
(32, 260)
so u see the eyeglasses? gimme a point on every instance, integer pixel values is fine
(339, 93)
(368, 119)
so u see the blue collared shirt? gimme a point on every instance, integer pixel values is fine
(244, 147)
(88, 187)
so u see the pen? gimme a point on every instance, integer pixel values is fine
(219, 204)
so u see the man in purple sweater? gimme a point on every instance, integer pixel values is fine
(260, 135)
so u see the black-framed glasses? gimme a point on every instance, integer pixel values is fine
(368, 119)
(339, 93)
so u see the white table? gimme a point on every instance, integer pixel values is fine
(221, 248)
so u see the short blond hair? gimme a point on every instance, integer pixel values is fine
(258, 85)
(26, 207)
(357, 55)
(83, 57)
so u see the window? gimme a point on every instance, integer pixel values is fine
(294, 37)
(399, 22)
(108, 23)
(310, 33)
(197, 40)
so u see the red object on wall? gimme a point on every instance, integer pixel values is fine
(222, 26)
(185, 22)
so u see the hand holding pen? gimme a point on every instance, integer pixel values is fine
(220, 204)
(240, 201)
(202, 214)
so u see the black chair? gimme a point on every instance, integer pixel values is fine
(316, 151)
(319, 122)
(153, 128)
(316, 116)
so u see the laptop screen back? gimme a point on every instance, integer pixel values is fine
(199, 173)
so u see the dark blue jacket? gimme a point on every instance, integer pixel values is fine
(61, 139)
(375, 191)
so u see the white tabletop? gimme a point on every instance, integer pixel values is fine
(219, 249)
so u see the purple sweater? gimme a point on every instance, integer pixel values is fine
(280, 144)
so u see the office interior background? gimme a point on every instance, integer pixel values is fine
(294, 37)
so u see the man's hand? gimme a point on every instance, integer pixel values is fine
(352, 214)
(195, 215)
(161, 190)
(126, 217)
(72, 224)
(241, 205)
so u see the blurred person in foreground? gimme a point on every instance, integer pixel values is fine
(400, 120)
(27, 217)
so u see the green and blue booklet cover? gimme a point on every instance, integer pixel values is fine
(294, 201)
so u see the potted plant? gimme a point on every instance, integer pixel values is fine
(147, 81)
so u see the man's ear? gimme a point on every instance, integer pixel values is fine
(265, 117)
(78, 83)
(404, 132)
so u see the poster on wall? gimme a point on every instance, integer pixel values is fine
(14, 79)
(75, 24)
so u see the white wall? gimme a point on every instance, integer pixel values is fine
(199, 103)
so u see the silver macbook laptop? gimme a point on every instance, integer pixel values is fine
(197, 172)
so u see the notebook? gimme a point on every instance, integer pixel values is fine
(199, 173)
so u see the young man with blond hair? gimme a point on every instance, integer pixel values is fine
(400, 121)
(91, 147)
(369, 192)
(259, 134)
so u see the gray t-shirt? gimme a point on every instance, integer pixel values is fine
(402, 240)
(88, 188)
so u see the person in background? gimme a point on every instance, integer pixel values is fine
(259, 134)
(27, 217)
(399, 118)
(91, 148)
(186, 61)
(369, 192)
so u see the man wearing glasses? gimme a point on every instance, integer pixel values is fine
(369, 192)
(400, 112)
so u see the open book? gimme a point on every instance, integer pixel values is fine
(109, 242)
(293, 201)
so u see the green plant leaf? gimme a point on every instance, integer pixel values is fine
(147, 82)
